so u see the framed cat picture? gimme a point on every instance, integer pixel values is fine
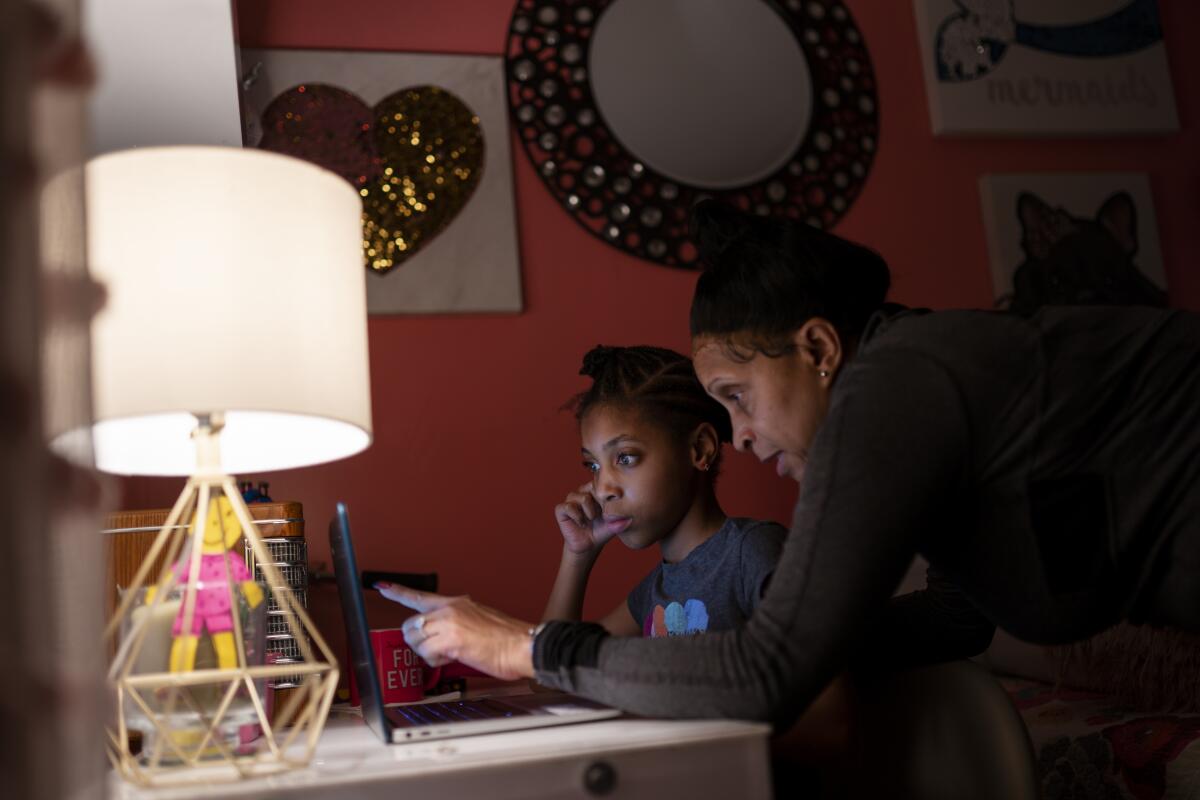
(1072, 239)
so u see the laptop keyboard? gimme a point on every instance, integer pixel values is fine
(452, 711)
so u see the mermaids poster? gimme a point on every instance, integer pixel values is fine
(1045, 67)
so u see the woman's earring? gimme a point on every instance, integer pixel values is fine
(824, 373)
(704, 466)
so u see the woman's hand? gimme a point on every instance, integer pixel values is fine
(446, 629)
(581, 522)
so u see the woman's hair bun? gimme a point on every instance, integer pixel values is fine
(596, 360)
(767, 276)
(714, 226)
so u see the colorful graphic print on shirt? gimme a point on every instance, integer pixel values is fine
(676, 619)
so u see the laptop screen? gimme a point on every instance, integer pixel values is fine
(354, 614)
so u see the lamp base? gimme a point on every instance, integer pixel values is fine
(189, 671)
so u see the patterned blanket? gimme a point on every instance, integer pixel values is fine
(1088, 746)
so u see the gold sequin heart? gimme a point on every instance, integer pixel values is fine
(431, 149)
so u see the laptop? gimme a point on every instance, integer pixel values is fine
(435, 720)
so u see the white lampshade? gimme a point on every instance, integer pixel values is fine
(235, 285)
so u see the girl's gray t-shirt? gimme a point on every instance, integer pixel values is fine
(716, 587)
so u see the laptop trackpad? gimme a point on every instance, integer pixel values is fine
(557, 703)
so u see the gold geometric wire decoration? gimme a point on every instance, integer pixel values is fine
(200, 721)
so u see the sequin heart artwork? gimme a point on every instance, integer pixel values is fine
(416, 158)
(424, 140)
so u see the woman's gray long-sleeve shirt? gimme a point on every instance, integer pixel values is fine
(1050, 467)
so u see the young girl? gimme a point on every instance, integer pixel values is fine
(652, 443)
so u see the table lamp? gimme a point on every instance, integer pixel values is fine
(234, 340)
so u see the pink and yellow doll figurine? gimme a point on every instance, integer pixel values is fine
(221, 574)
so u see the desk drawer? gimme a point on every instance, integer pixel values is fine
(723, 768)
(617, 758)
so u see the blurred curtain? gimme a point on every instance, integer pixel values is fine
(52, 690)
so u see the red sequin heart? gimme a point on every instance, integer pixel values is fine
(415, 158)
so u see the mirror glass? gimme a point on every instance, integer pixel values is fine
(714, 93)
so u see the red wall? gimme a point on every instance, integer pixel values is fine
(470, 451)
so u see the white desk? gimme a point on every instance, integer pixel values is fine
(654, 759)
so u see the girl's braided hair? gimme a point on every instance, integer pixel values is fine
(654, 381)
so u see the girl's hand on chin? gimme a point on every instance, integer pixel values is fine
(446, 629)
(581, 522)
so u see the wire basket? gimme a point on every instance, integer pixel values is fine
(284, 646)
(283, 649)
(285, 550)
(301, 598)
(277, 624)
(288, 681)
(289, 555)
(294, 575)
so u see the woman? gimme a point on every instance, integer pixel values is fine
(1049, 466)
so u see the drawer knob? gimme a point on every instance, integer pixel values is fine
(600, 778)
